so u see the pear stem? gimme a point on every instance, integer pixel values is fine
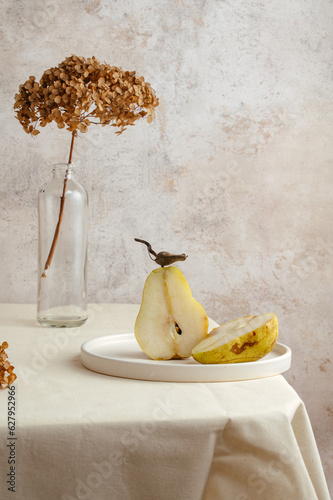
(162, 258)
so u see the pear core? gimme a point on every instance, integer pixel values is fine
(170, 321)
(241, 340)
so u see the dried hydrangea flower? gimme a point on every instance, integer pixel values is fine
(80, 92)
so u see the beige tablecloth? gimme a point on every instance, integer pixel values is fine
(83, 435)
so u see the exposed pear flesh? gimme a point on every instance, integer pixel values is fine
(170, 321)
(242, 340)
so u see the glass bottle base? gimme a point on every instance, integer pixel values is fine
(61, 322)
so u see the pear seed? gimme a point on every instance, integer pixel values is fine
(178, 329)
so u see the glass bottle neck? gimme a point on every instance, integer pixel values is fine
(61, 169)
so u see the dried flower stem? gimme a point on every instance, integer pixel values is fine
(72, 146)
(61, 211)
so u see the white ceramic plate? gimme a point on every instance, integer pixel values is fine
(121, 356)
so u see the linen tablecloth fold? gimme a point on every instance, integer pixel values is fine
(271, 456)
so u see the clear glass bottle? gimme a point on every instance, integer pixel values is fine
(62, 283)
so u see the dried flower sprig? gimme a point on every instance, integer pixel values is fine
(7, 376)
(80, 92)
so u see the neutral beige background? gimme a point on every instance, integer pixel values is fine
(236, 171)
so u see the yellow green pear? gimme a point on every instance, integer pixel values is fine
(241, 340)
(170, 321)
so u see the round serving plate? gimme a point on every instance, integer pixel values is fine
(120, 356)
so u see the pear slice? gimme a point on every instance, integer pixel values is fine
(242, 340)
(170, 321)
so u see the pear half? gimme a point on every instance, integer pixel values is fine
(170, 321)
(242, 340)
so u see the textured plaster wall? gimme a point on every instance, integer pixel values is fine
(236, 170)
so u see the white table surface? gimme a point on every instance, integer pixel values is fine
(84, 435)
